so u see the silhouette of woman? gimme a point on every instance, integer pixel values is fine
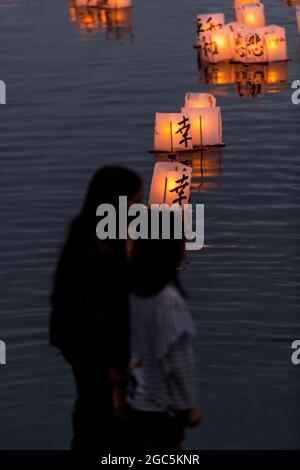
(90, 314)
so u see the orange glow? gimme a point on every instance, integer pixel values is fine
(250, 18)
(219, 41)
(272, 44)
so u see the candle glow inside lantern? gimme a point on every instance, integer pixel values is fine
(200, 100)
(206, 125)
(171, 183)
(172, 132)
(216, 46)
(252, 14)
(275, 43)
(206, 23)
(238, 3)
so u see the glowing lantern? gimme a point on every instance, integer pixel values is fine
(298, 18)
(275, 43)
(172, 132)
(237, 39)
(206, 23)
(117, 4)
(206, 125)
(199, 100)
(215, 46)
(171, 183)
(253, 15)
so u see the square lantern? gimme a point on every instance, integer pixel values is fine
(206, 125)
(253, 15)
(172, 132)
(237, 40)
(275, 43)
(200, 100)
(215, 46)
(298, 17)
(206, 23)
(171, 184)
(114, 4)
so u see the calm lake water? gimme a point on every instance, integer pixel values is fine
(77, 101)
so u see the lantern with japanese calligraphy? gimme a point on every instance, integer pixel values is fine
(117, 3)
(200, 100)
(298, 17)
(170, 184)
(275, 43)
(215, 46)
(206, 125)
(207, 23)
(172, 132)
(252, 14)
(237, 39)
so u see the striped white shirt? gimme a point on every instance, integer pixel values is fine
(161, 352)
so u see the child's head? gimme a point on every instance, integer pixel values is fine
(155, 264)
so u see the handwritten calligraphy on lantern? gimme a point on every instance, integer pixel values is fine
(184, 130)
(182, 184)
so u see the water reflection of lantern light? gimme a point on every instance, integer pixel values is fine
(170, 183)
(199, 100)
(118, 23)
(87, 19)
(72, 11)
(172, 133)
(252, 14)
(206, 125)
(209, 22)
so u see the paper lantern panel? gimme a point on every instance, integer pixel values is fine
(275, 43)
(206, 125)
(172, 132)
(171, 183)
(238, 3)
(253, 15)
(200, 100)
(215, 46)
(207, 23)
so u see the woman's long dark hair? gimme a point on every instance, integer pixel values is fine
(155, 264)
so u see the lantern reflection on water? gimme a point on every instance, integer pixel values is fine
(253, 14)
(172, 132)
(171, 183)
(206, 125)
(206, 23)
(199, 100)
(251, 80)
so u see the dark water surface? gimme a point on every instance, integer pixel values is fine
(77, 101)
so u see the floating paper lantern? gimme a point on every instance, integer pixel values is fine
(298, 18)
(206, 23)
(199, 100)
(171, 183)
(206, 125)
(172, 132)
(275, 43)
(117, 3)
(215, 46)
(253, 15)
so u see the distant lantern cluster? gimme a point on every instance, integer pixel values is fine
(247, 40)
